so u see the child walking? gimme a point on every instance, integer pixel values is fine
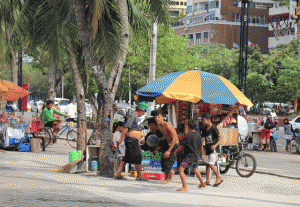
(192, 145)
(288, 131)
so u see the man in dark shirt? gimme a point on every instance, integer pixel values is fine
(192, 145)
(133, 134)
(153, 131)
(212, 141)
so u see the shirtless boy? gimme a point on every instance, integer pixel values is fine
(169, 134)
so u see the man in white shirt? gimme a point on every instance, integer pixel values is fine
(273, 113)
(71, 109)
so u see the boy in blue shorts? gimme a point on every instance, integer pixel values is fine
(192, 145)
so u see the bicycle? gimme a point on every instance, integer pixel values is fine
(294, 145)
(72, 135)
(236, 155)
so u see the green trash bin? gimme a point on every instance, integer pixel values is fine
(74, 155)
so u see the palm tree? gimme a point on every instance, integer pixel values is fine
(103, 27)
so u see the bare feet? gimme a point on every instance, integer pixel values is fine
(165, 181)
(218, 181)
(202, 185)
(182, 189)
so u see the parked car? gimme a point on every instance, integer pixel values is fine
(295, 123)
(120, 115)
(62, 103)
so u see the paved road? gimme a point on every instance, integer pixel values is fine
(26, 179)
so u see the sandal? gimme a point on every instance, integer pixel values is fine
(207, 183)
(141, 179)
(217, 184)
(119, 178)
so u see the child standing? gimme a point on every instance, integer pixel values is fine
(119, 152)
(212, 140)
(192, 145)
(288, 131)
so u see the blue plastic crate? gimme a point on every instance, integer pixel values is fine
(24, 147)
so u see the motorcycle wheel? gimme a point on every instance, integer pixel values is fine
(273, 145)
(293, 146)
(243, 163)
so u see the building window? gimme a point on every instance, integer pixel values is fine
(177, 3)
(233, 17)
(205, 35)
(190, 9)
(252, 5)
(184, 3)
(174, 13)
(236, 3)
(181, 3)
(198, 36)
(217, 4)
(262, 17)
(191, 36)
(206, 6)
(237, 17)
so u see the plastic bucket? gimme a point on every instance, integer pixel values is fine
(74, 155)
(94, 165)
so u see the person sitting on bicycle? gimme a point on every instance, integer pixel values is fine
(268, 123)
(48, 119)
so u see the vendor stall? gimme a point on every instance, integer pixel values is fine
(190, 94)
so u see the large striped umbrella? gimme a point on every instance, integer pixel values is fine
(193, 86)
(13, 91)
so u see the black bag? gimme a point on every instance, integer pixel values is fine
(268, 124)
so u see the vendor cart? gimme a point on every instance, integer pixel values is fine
(189, 94)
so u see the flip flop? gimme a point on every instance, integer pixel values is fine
(206, 183)
(216, 185)
(141, 179)
(119, 178)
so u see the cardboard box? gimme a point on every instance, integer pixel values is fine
(230, 136)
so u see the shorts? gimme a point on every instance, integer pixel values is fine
(211, 159)
(288, 137)
(49, 124)
(133, 151)
(186, 164)
(168, 163)
(265, 133)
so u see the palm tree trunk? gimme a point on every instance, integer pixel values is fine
(51, 80)
(107, 89)
(14, 66)
(81, 111)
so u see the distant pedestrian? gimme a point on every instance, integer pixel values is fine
(192, 145)
(288, 131)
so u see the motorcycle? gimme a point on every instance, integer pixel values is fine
(273, 139)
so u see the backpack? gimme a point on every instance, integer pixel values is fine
(268, 124)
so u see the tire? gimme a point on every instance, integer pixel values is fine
(47, 137)
(273, 145)
(72, 138)
(245, 158)
(293, 146)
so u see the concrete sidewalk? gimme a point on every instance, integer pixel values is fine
(28, 174)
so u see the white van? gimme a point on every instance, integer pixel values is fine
(62, 103)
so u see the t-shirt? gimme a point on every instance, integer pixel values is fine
(211, 138)
(146, 147)
(116, 137)
(47, 115)
(192, 143)
(132, 123)
(288, 129)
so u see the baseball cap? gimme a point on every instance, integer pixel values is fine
(143, 105)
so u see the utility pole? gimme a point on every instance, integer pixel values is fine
(151, 105)
(20, 74)
(243, 45)
(129, 89)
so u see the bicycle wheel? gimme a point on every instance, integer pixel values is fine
(72, 138)
(47, 137)
(245, 165)
(293, 146)
(273, 145)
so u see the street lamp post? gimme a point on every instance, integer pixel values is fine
(243, 45)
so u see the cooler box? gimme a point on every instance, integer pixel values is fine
(24, 147)
(145, 161)
(13, 137)
(154, 176)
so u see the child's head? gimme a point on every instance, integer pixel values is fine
(206, 119)
(152, 124)
(286, 121)
(119, 126)
(192, 124)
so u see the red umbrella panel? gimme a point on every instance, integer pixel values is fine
(12, 90)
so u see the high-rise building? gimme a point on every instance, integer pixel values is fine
(218, 22)
(178, 7)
